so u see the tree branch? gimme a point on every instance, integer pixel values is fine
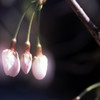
(85, 19)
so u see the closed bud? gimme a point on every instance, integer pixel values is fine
(41, 1)
(11, 62)
(39, 66)
(26, 59)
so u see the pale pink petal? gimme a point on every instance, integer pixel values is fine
(39, 67)
(11, 62)
(26, 62)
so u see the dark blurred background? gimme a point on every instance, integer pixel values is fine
(74, 56)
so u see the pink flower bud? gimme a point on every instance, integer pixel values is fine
(41, 1)
(11, 62)
(10, 59)
(39, 66)
(26, 59)
(26, 62)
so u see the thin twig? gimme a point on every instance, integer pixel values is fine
(90, 88)
(85, 19)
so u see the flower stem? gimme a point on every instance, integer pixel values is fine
(38, 30)
(19, 24)
(87, 90)
(29, 30)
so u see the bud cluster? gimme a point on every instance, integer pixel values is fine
(12, 63)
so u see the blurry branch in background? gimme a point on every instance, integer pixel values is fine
(90, 88)
(85, 19)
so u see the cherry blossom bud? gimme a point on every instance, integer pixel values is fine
(11, 62)
(39, 66)
(26, 59)
(41, 1)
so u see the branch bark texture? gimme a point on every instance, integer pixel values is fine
(85, 19)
